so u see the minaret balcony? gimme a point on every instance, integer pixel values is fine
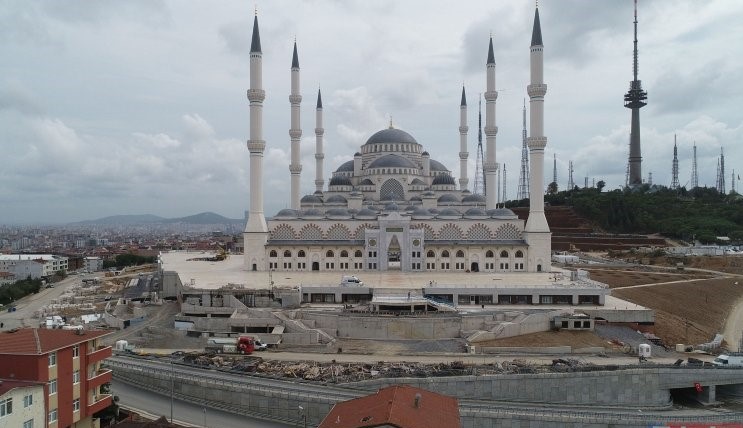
(490, 166)
(295, 169)
(256, 95)
(464, 155)
(464, 129)
(490, 131)
(295, 99)
(536, 143)
(256, 146)
(536, 90)
(295, 134)
(319, 156)
(319, 132)
(491, 95)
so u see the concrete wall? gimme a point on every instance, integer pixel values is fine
(398, 328)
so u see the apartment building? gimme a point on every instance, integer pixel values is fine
(33, 265)
(68, 363)
(22, 404)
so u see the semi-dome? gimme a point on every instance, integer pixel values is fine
(288, 213)
(448, 198)
(474, 198)
(391, 207)
(336, 199)
(311, 199)
(345, 167)
(391, 135)
(367, 182)
(312, 212)
(437, 166)
(415, 199)
(422, 212)
(340, 181)
(366, 212)
(433, 210)
(392, 161)
(502, 213)
(443, 179)
(417, 182)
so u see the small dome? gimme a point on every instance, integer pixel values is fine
(428, 193)
(448, 198)
(311, 199)
(415, 199)
(337, 212)
(502, 213)
(392, 161)
(443, 179)
(391, 207)
(437, 166)
(340, 181)
(391, 135)
(357, 154)
(345, 167)
(312, 212)
(475, 212)
(474, 198)
(318, 192)
(449, 212)
(366, 212)
(409, 208)
(352, 211)
(425, 154)
(288, 213)
(433, 210)
(422, 212)
(367, 182)
(417, 182)
(335, 199)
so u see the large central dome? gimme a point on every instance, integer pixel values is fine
(391, 135)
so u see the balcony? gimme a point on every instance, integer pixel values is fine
(99, 403)
(98, 378)
(100, 353)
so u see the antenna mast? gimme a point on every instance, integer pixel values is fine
(479, 187)
(571, 183)
(503, 193)
(523, 192)
(694, 174)
(675, 168)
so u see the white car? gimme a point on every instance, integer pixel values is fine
(260, 346)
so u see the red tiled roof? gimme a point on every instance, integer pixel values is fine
(11, 384)
(39, 341)
(395, 406)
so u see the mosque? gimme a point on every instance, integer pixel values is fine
(393, 207)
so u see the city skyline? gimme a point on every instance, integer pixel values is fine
(140, 107)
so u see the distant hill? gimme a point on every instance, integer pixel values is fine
(201, 218)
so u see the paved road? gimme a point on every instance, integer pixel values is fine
(154, 405)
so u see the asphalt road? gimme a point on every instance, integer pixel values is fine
(154, 405)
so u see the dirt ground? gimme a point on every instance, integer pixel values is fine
(576, 339)
(623, 277)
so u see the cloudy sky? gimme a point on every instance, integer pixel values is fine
(129, 107)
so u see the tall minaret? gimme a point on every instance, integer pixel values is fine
(675, 166)
(490, 166)
(463, 154)
(295, 132)
(635, 99)
(256, 230)
(537, 233)
(319, 155)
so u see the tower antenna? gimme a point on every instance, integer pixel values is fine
(479, 187)
(635, 99)
(675, 167)
(504, 198)
(523, 191)
(694, 174)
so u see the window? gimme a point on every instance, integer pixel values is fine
(357, 253)
(52, 386)
(519, 254)
(444, 253)
(76, 405)
(28, 400)
(6, 407)
(489, 254)
(28, 424)
(329, 254)
(52, 416)
(431, 254)
(287, 253)
(300, 253)
(272, 253)
(504, 253)
(52, 359)
(76, 376)
(460, 253)
(344, 253)
(76, 351)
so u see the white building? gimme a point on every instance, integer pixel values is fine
(93, 264)
(393, 207)
(33, 265)
(22, 404)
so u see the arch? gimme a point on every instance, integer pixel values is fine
(460, 253)
(287, 253)
(273, 253)
(445, 253)
(428, 233)
(431, 254)
(504, 254)
(311, 231)
(508, 232)
(283, 231)
(391, 187)
(519, 254)
(359, 234)
(339, 232)
(539, 268)
(329, 253)
(450, 232)
(478, 231)
(358, 253)
(344, 253)
(301, 253)
(489, 254)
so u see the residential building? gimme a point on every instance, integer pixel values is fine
(34, 265)
(22, 404)
(93, 264)
(68, 362)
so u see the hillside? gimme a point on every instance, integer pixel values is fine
(202, 218)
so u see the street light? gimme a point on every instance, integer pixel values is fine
(172, 389)
(204, 417)
(303, 414)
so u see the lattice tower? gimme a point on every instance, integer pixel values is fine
(694, 173)
(523, 191)
(571, 183)
(504, 198)
(479, 187)
(675, 168)
(554, 168)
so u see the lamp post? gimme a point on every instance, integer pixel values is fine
(303, 415)
(204, 417)
(172, 389)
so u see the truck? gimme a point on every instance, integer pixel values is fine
(351, 280)
(729, 360)
(231, 345)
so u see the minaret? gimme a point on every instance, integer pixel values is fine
(490, 166)
(319, 155)
(463, 154)
(256, 230)
(635, 99)
(523, 192)
(537, 232)
(295, 132)
(675, 166)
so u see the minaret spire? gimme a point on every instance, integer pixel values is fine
(537, 232)
(463, 154)
(256, 230)
(319, 155)
(295, 131)
(491, 130)
(634, 99)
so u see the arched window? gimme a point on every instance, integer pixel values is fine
(445, 253)
(301, 254)
(272, 254)
(329, 253)
(431, 254)
(287, 253)
(460, 253)
(504, 253)
(519, 254)
(344, 253)
(489, 254)
(357, 253)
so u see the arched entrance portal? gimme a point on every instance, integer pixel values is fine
(393, 254)
(315, 265)
(475, 267)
